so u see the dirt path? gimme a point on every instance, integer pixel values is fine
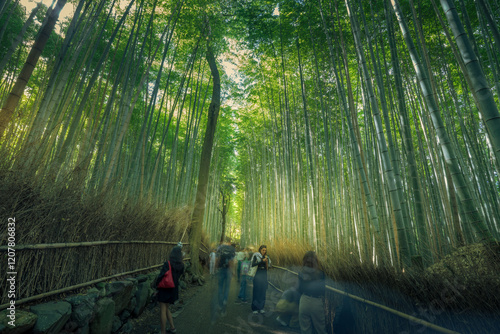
(195, 314)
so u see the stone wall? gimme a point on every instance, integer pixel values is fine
(105, 308)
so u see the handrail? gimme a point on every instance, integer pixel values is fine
(274, 286)
(77, 286)
(204, 245)
(84, 244)
(388, 309)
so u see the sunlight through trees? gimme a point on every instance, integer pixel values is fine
(355, 127)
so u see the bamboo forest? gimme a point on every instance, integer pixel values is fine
(365, 131)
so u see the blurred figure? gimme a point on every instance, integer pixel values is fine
(224, 265)
(262, 261)
(212, 262)
(240, 256)
(245, 268)
(312, 288)
(344, 321)
(288, 308)
(168, 296)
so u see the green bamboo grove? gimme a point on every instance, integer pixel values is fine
(355, 127)
(372, 136)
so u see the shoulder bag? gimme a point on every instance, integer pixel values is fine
(167, 282)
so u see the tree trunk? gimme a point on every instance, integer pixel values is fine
(479, 83)
(206, 154)
(18, 89)
(225, 207)
(18, 39)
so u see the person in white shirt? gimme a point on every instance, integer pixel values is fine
(240, 256)
(212, 262)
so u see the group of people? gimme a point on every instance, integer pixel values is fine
(304, 301)
(225, 262)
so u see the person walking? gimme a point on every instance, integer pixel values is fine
(212, 262)
(167, 296)
(245, 268)
(224, 264)
(240, 256)
(312, 288)
(262, 262)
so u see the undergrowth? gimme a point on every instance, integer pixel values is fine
(55, 213)
(475, 281)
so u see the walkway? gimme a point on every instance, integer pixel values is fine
(196, 314)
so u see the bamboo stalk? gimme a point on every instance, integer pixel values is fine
(85, 244)
(388, 309)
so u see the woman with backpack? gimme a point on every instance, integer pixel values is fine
(167, 296)
(312, 288)
(262, 262)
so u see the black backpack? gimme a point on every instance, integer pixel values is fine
(226, 253)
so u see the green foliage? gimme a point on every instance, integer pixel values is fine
(12, 25)
(260, 151)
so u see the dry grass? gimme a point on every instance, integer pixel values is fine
(437, 299)
(51, 214)
(285, 252)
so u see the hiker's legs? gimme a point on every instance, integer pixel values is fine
(169, 317)
(212, 267)
(311, 315)
(243, 288)
(304, 316)
(227, 283)
(259, 290)
(163, 317)
(318, 315)
(223, 284)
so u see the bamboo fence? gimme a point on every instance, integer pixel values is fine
(78, 286)
(44, 270)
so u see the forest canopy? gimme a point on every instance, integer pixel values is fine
(358, 127)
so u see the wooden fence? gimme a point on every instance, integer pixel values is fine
(44, 270)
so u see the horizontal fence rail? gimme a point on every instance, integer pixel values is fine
(86, 244)
(383, 307)
(68, 245)
(89, 244)
(81, 285)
